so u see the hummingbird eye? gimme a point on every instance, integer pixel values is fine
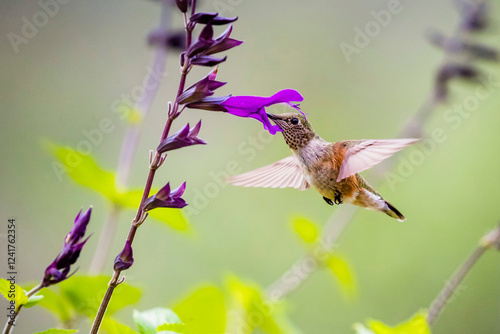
(294, 121)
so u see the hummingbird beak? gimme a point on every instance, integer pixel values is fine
(271, 116)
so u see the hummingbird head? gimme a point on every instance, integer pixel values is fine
(297, 131)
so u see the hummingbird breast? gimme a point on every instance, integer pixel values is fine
(320, 162)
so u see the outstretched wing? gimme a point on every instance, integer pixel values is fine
(368, 153)
(281, 174)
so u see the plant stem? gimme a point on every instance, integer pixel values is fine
(489, 240)
(149, 182)
(11, 321)
(130, 140)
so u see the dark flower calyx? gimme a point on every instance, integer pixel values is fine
(203, 88)
(182, 138)
(125, 259)
(182, 5)
(213, 18)
(203, 60)
(166, 198)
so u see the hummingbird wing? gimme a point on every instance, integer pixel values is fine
(281, 174)
(361, 155)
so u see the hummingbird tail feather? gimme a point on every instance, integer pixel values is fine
(390, 210)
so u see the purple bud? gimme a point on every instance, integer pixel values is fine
(166, 198)
(207, 60)
(202, 18)
(125, 259)
(182, 138)
(58, 270)
(182, 5)
(212, 18)
(201, 89)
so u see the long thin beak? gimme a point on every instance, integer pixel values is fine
(271, 116)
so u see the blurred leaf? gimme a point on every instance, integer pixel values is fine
(341, 270)
(361, 329)
(306, 229)
(148, 321)
(85, 294)
(203, 311)
(416, 325)
(58, 331)
(134, 116)
(84, 170)
(259, 311)
(17, 294)
(173, 217)
(111, 326)
(33, 300)
(56, 304)
(176, 328)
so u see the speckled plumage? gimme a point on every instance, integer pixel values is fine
(332, 168)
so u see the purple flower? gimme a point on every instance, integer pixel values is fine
(212, 18)
(250, 106)
(205, 45)
(203, 88)
(125, 259)
(58, 270)
(166, 199)
(182, 138)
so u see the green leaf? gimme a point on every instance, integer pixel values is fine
(56, 304)
(33, 300)
(416, 325)
(85, 294)
(341, 270)
(176, 328)
(148, 321)
(173, 217)
(84, 170)
(203, 311)
(306, 230)
(111, 326)
(58, 331)
(13, 292)
(257, 306)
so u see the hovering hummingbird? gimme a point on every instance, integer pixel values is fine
(332, 168)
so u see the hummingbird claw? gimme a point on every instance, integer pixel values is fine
(338, 198)
(327, 200)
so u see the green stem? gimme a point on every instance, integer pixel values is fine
(9, 325)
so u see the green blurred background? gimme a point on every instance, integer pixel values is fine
(66, 78)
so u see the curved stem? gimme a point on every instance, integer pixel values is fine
(132, 134)
(9, 325)
(138, 220)
(450, 287)
(491, 239)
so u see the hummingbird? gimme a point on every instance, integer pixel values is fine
(332, 168)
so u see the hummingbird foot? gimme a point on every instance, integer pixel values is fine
(329, 201)
(338, 198)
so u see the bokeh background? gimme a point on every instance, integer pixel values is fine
(66, 78)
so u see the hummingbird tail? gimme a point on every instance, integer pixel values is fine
(390, 210)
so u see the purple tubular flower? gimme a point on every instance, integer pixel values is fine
(58, 270)
(182, 138)
(201, 89)
(166, 199)
(250, 106)
(125, 259)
